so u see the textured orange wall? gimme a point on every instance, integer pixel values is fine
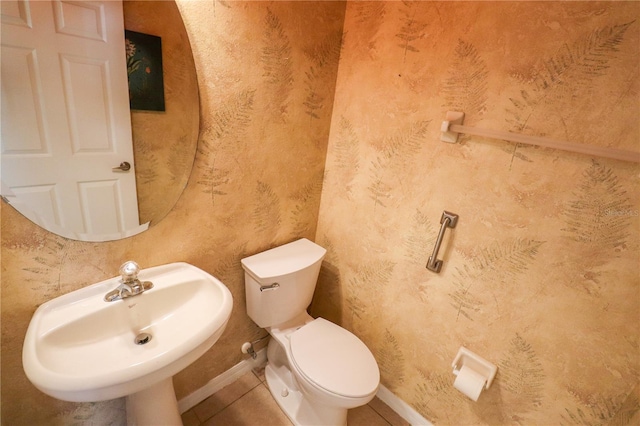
(532, 280)
(266, 75)
(541, 274)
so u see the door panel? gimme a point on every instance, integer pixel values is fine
(43, 199)
(86, 90)
(100, 199)
(22, 91)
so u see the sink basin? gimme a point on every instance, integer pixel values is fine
(81, 348)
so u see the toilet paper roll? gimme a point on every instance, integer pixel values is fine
(469, 382)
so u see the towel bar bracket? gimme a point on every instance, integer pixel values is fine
(452, 117)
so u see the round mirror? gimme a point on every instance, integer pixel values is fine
(42, 106)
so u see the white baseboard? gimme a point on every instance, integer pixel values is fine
(224, 379)
(402, 408)
(234, 373)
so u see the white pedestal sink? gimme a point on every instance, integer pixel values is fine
(81, 348)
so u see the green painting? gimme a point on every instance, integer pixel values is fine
(144, 69)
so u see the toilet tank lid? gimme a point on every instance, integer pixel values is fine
(284, 259)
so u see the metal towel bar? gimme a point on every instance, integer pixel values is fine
(448, 220)
(452, 127)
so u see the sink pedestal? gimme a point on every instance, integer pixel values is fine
(156, 405)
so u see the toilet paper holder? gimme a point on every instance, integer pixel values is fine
(476, 363)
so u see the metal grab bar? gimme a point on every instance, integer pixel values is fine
(447, 220)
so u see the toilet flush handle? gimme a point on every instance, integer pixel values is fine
(269, 287)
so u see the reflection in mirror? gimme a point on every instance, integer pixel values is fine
(164, 143)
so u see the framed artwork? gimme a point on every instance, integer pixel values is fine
(144, 68)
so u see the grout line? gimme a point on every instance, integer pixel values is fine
(380, 414)
(229, 404)
(217, 383)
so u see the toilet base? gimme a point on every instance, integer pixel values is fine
(290, 399)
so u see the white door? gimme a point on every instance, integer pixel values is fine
(65, 113)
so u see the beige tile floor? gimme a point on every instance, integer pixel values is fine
(247, 402)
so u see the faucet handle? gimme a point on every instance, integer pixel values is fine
(129, 271)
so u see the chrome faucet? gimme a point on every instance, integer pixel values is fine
(130, 285)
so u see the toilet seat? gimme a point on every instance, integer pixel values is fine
(334, 359)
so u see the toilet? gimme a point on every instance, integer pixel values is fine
(316, 370)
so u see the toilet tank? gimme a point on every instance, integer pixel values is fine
(280, 282)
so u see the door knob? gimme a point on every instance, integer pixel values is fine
(123, 167)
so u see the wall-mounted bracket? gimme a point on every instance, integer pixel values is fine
(452, 117)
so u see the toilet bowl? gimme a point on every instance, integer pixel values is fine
(329, 367)
(316, 370)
